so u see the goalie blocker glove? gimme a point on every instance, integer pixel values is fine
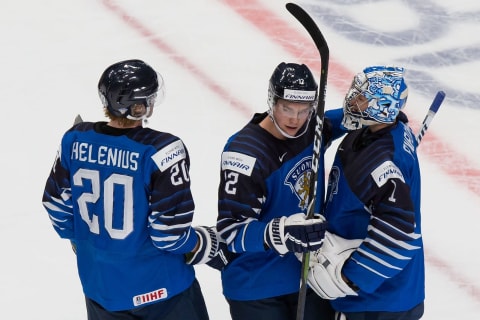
(212, 250)
(295, 233)
(325, 273)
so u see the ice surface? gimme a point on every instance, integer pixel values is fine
(216, 58)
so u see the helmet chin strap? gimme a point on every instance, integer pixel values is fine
(286, 135)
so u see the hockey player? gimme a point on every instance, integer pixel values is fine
(263, 197)
(372, 262)
(121, 194)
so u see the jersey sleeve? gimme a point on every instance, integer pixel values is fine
(333, 124)
(393, 236)
(171, 202)
(57, 195)
(241, 197)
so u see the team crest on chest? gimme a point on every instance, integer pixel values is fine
(298, 179)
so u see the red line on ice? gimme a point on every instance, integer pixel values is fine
(181, 60)
(459, 278)
(301, 46)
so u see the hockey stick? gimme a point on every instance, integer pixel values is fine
(78, 119)
(304, 18)
(436, 103)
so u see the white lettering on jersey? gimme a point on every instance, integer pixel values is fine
(385, 171)
(169, 155)
(105, 155)
(408, 145)
(238, 162)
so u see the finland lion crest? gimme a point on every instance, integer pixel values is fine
(298, 179)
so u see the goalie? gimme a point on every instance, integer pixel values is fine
(371, 265)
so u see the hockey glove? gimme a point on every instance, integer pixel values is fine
(325, 273)
(212, 250)
(295, 233)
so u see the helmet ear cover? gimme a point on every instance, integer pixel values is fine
(385, 90)
(130, 83)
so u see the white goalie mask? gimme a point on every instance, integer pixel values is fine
(386, 92)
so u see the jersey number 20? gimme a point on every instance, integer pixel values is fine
(108, 188)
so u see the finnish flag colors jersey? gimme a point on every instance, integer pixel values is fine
(130, 246)
(374, 194)
(262, 178)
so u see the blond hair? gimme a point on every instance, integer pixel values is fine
(123, 122)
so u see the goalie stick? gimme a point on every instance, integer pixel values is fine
(436, 103)
(304, 18)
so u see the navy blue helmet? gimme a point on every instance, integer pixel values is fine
(128, 83)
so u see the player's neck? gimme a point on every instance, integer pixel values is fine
(120, 125)
(376, 127)
(270, 127)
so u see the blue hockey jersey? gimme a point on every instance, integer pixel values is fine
(123, 198)
(374, 194)
(262, 178)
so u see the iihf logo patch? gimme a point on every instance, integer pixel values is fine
(298, 179)
(148, 297)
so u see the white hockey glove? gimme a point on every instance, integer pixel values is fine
(295, 233)
(325, 272)
(212, 250)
